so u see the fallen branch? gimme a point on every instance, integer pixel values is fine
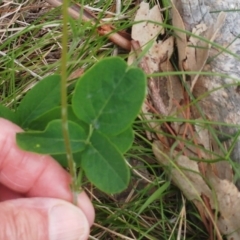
(76, 11)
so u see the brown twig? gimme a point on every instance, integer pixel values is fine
(77, 11)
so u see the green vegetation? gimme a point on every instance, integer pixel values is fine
(105, 102)
(105, 131)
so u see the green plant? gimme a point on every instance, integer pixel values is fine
(104, 104)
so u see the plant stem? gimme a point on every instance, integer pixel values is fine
(71, 164)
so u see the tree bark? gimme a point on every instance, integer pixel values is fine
(222, 104)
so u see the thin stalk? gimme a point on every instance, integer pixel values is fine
(64, 112)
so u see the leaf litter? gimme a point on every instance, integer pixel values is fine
(208, 183)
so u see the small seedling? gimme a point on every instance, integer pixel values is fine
(104, 104)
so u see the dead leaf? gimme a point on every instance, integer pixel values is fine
(181, 38)
(228, 202)
(185, 174)
(204, 137)
(76, 74)
(164, 89)
(174, 88)
(223, 196)
(144, 30)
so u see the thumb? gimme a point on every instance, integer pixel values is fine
(42, 219)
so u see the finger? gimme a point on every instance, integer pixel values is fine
(32, 174)
(8, 194)
(42, 219)
(27, 172)
(83, 201)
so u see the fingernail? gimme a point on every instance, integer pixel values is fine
(67, 222)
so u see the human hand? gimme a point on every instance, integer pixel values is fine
(35, 196)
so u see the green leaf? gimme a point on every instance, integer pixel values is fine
(124, 140)
(104, 165)
(43, 97)
(42, 121)
(109, 95)
(62, 159)
(7, 114)
(51, 140)
(156, 195)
